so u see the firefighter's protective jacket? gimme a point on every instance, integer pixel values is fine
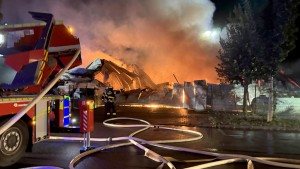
(109, 96)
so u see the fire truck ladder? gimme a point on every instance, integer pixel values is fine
(24, 110)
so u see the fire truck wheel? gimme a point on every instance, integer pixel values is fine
(13, 143)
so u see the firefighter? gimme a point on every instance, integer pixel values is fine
(109, 97)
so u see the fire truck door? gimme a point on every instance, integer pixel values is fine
(41, 118)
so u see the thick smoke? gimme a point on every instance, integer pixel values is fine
(162, 37)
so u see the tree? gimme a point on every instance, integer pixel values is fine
(278, 31)
(257, 43)
(291, 31)
(241, 54)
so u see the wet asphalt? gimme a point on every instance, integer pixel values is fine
(257, 143)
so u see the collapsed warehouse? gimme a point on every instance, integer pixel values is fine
(198, 95)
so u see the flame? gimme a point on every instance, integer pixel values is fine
(71, 29)
(151, 106)
(156, 71)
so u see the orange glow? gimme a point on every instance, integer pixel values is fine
(162, 70)
(183, 112)
(162, 41)
(151, 106)
(90, 55)
(71, 30)
(139, 96)
(183, 97)
(184, 67)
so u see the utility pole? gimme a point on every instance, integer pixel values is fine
(176, 78)
(270, 104)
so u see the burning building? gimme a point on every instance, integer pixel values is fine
(120, 78)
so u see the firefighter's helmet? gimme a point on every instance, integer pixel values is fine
(109, 89)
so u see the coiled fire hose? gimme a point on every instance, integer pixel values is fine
(223, 158)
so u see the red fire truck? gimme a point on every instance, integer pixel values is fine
(31, 57)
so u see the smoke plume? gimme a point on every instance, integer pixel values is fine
(162, 37)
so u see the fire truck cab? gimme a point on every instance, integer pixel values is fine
(31, 128)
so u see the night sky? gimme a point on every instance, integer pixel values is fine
(225, 7)
(291, 64)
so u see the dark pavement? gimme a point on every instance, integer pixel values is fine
(255, 143)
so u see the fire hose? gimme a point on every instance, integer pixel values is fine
(223, 158)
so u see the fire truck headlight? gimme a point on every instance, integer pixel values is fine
(74, 120)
